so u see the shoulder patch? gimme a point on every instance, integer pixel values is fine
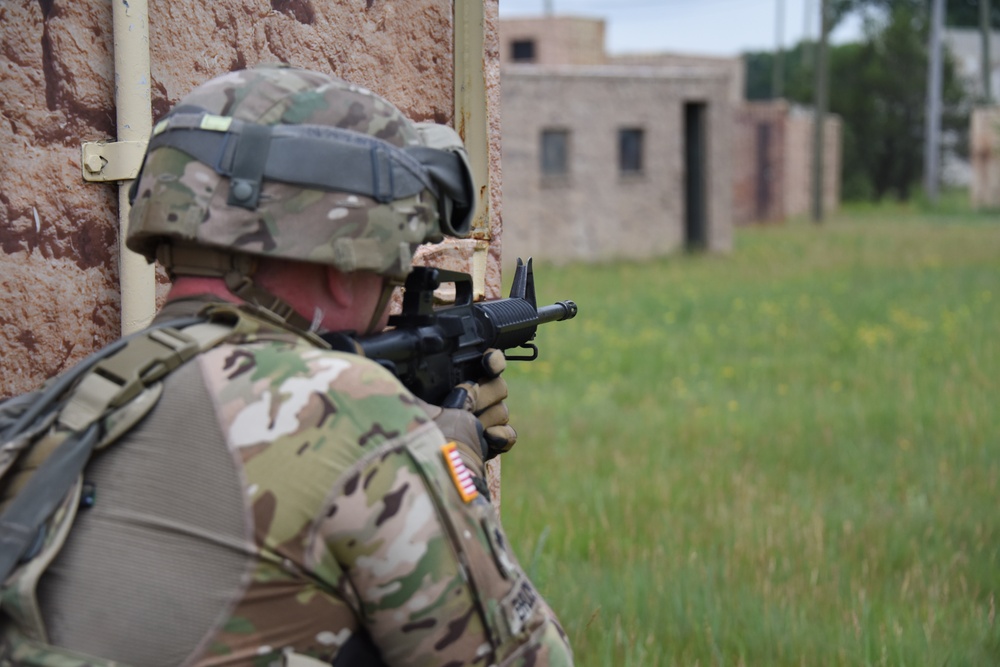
(460, 475)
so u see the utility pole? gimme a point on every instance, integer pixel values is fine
(778, 81)
(807, 54)
(819, 112)
(932, 140)
(984, 29)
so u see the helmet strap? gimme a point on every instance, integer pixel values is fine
(235, 269)
(388, 286)
(242, 286)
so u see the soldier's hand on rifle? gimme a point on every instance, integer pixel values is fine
(475, 416)
(485, 399)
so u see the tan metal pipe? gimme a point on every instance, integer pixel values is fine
(133, 102)
(471, 122)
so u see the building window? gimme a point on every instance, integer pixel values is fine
(555, 152)
(630, 151)
(523, 50)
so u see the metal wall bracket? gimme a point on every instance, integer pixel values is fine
(111, 161)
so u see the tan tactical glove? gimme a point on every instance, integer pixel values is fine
(485, 400)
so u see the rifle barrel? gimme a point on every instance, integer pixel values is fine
(560, 310)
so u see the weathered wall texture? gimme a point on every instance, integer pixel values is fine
(594, 212)
(58, 289)
(401, 50)
(491, 73)
(58, 235)
(985, 141)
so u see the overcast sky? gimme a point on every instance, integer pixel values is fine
(717, 27)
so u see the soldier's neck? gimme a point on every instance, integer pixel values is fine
(188, 286)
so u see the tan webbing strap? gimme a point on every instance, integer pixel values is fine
(299, 660)
(195, 260)
(243, 287)
(235, 268)
(119, 378)
(208, 334)
(389, 286)
(17, 650)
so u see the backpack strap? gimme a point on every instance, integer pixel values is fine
(16, 650)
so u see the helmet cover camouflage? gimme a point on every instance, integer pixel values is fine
(183, 200)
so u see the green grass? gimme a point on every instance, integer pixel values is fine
(789, 455)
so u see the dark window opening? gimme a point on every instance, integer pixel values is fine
(630, 151)
(523, 50)
(555, 152)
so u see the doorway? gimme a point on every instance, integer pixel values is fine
(763, 193)
(695, 161)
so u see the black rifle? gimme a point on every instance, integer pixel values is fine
(431, 350)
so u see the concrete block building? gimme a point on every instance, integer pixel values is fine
(637, 155)
(605, 159)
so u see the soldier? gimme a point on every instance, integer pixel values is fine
(284, 503)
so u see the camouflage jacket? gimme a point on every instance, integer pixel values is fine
(285, 498)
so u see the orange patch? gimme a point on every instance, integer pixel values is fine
(460, 475)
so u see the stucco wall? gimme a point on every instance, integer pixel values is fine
(58, 235)
(594, 213)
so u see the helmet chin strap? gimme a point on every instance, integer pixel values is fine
(235, 269)
(242, 286)
(388, 285)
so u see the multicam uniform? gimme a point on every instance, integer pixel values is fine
(283, 497)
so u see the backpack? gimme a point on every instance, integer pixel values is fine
(47, 436)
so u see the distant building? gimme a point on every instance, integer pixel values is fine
(601, 163)
(604, 160)
(772, 173)
(562, 40)
(635, 156)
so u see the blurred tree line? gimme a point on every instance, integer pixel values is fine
(878, 86)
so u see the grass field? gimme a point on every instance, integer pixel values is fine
(789, 455)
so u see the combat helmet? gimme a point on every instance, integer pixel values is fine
(283, 162)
